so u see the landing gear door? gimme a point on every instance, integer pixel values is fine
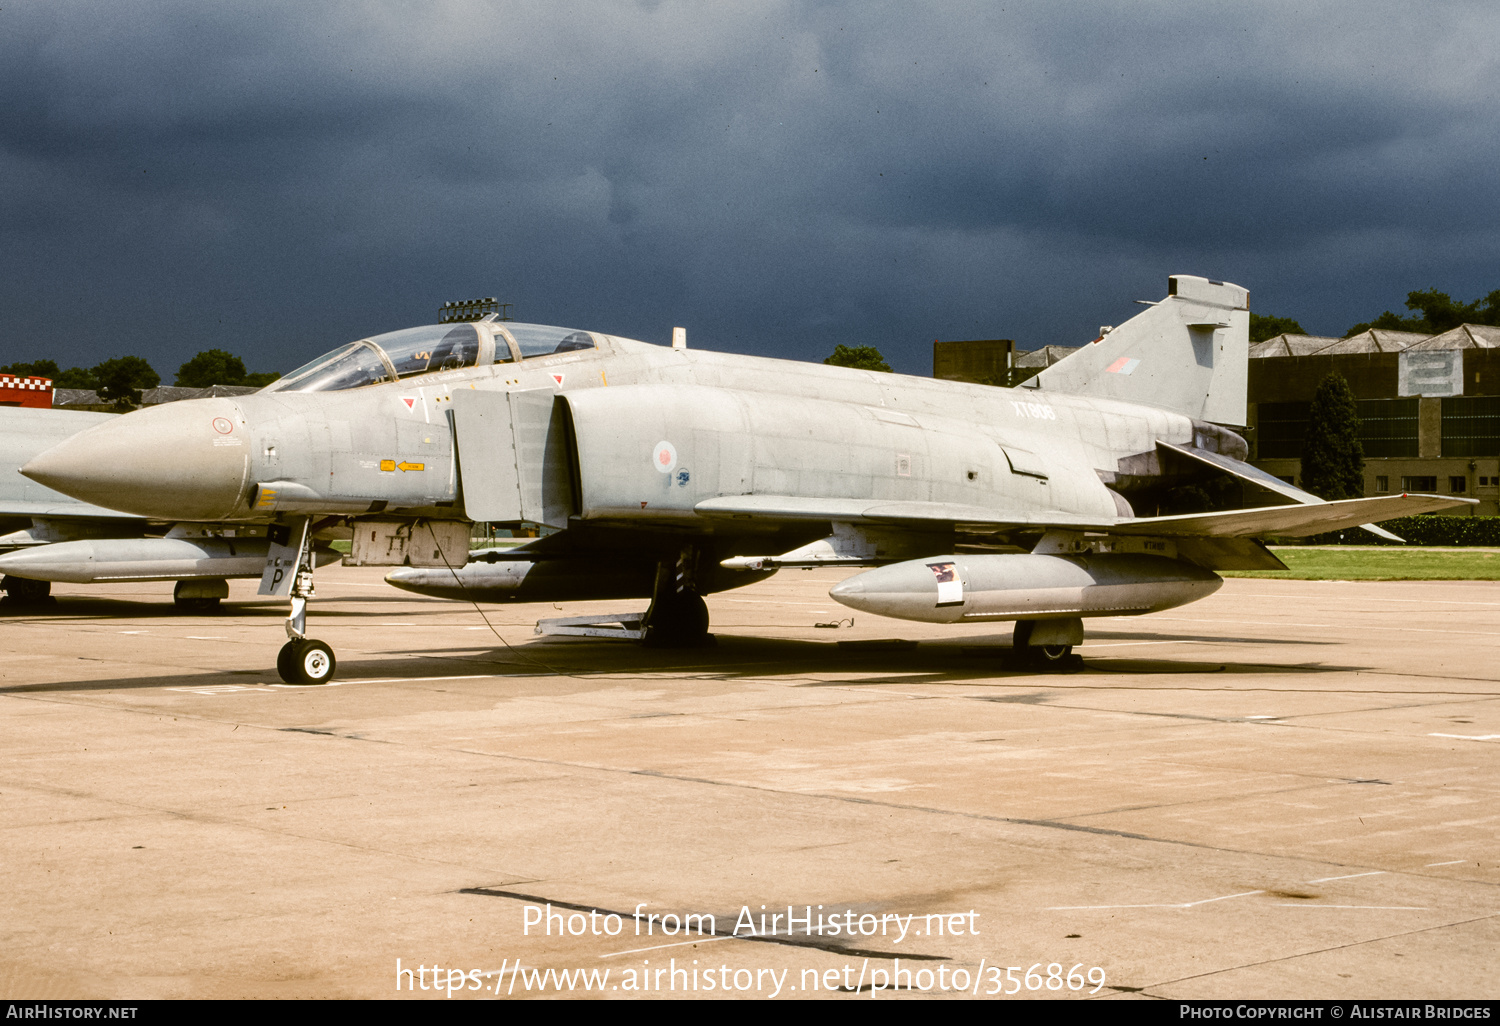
(282, 557)
(512, 457)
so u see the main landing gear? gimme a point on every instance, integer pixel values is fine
(678, 616)
(23, 591)
(289, 571)
(1047, 644)
(201, 595)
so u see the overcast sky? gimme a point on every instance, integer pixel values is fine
(278, 178)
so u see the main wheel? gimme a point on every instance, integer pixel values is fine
(306, 661)
(199, 594)
(678, 622)
(1045, 656)
(25, 591)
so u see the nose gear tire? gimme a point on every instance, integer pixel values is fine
(306, 661)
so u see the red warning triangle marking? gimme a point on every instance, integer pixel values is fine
(559, 379)
(409, 401)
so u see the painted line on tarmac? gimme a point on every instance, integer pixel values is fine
(1351, 876)
(679, 944)
(774, 602)
(1453, 863)
(1180, 904)
(229, 689)
(468, 676)
(1469, 737)
(1380, 908)
(213, 690)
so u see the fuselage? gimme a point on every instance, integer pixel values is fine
(726, 424)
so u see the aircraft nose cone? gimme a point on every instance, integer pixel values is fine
(187, 460)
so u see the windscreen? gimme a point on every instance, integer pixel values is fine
(425, 350)
(412, 351)
(356, 364)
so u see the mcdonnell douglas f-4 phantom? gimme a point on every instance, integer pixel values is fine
(671, 473)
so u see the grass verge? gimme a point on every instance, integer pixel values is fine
(1381, 563)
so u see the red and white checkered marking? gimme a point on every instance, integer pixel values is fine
(33, 384)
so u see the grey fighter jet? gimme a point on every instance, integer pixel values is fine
(670, 473)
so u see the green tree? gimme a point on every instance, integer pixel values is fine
(122, 380)
(861, 357)
(1439, 312)
(1262, 328)
(211, 367)
(1333, 462)
(75, 377)
(34, 369)
(216, 367)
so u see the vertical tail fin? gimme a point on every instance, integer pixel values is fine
(1188, 353)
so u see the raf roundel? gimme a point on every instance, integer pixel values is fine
(664, 457)
(222, 425)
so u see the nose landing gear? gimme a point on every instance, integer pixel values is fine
(289, 571)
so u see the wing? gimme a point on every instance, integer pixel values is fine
(1290, 521)
(1266, 521)
(62, 508)
(1216, 541)
(934, 514)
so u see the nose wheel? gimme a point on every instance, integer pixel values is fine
(306, 661)
(289, 566)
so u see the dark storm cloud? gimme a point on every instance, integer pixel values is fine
(778, 177)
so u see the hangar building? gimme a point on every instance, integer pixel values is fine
(1429, 407)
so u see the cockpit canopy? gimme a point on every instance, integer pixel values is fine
(429, 349)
